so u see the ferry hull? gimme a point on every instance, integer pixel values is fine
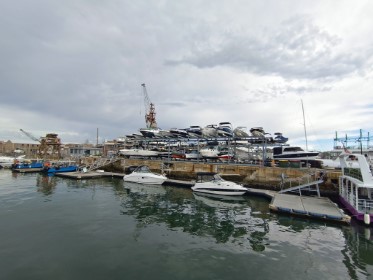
(355, 214)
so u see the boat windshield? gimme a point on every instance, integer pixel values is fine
(293, 149)
(208, 177)
(217, 178)
(142, 169)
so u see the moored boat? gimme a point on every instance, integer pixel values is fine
(356, 189)
(28, 166)
(212, 183)
(59, 167)
(7, 162)
(143, 175)
(293, 152)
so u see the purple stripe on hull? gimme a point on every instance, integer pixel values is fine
(355, 214)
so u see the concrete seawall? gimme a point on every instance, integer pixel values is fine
(253, 176)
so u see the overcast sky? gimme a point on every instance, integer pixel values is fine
(73, 66)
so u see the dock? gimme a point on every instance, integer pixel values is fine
(305, 206)
(89, 175)
(78, 175)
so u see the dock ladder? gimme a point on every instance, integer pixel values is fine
(311, 186)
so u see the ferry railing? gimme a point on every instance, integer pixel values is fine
(365, 205)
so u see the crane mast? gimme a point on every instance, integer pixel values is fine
(50, 145)
(29, 135)
(149, 110)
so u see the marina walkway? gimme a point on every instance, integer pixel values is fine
(305, 206)
(96, 174)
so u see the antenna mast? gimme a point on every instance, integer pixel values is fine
(304, 124)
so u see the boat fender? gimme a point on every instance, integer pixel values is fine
(367, 219)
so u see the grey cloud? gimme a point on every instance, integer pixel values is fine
(296, 49)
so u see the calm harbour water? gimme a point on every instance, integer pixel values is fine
(55, 228)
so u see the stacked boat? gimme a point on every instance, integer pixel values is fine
(221, 130)
(213, 142)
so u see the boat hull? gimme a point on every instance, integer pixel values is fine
(138, 152)
(354, 213)
(145, 179)
(219, 188)
(51, 170)
(220, 192)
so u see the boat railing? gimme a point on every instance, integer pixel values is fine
(365, 205)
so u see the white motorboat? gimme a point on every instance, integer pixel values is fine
(7, 162)
(212, 183)
(143, 175)
(293, 153)
(257, 131)
(178, 132)
(193, 154)
(279, 138)
(149, 132)
(210, 152)
(164, 134)
(225, 129)
(138, 152)
(210, 130)
(240, 132)
(194, 131)
(350, 159)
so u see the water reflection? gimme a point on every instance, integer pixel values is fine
(239, 228)
(358, 250)
(46, 184)
(226, 219)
